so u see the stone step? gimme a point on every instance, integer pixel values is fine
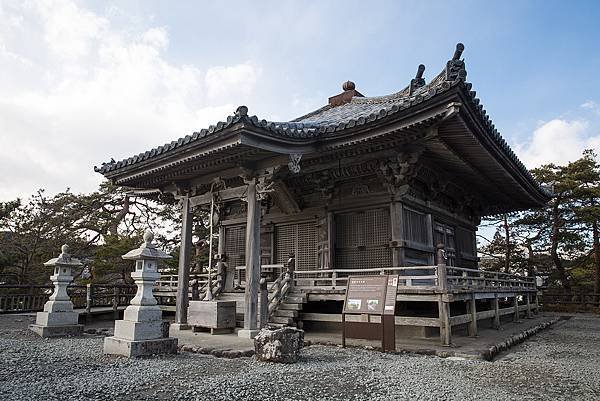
(286, 313)
(281, 319)
(290, 306)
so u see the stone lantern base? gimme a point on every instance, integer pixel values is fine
(57, 323)
(57, 331)
(133, 348)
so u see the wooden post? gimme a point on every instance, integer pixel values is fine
(537, 303)
(183, 274)
(252, 263)
(291, 267)
(264, 303)
(444, 317)
(116, 295)
(529, 313)
(88, 298)
(516, 307)
(473, 311)
(496, 318)
(396, 232)
(443, 303)
(441, 269)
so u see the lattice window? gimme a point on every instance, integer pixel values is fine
(362, 239)
(465, 240)
(299, 239)
(235, 245)
(415, 226)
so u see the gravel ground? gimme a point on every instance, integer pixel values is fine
(560, 363)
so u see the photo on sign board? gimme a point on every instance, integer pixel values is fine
(372, 304)
(354, 304)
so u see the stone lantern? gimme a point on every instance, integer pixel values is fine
(141, 330)
(58, 318)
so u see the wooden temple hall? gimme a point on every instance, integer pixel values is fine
(362, 186)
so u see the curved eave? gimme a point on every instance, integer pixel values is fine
(476, 117)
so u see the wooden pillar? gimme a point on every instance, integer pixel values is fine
(516, 307)
(473, 312)
(396, 234)
(496, 318)
(529, 313)
(330, 239)
(537, 303)
(252, 263)
(183, 274)
(443, 302)
(264, 303)
(445, 326)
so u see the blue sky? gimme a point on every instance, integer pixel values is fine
(97, 79)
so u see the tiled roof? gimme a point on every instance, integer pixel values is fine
(331, 119)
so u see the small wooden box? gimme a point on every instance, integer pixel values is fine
(212, 314)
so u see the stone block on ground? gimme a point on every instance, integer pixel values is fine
(280, 345)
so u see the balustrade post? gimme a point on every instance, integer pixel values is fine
(291, 267)
(195, 290)
(441, 268)
(115, 305)
(264, 303)
(88, 298)
(443, 302)
(334, 279)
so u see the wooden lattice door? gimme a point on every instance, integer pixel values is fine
(299, 239)
(235, 245)
(362, 239)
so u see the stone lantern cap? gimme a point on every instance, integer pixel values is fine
(64, 259)
(147, 250)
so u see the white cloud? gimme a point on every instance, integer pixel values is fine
(222, 81)
(591, 105)
(557, 141)
(75, 90)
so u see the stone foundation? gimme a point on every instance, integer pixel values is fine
(57, 331)
(129, 348)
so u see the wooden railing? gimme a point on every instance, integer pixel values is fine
(424, 277)
(420, 277)
(271, 296)
(459, 278)
(31, 298)
(576, 300)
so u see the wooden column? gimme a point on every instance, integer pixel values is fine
(183, 274)
(264, 303)
(396, 228)
(537, 303)
(443, 302)
(496, 318)
(529, 313)
(252, 263)
(445, 326)
(473, 312)
(516, 307)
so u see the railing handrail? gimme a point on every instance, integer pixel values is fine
(371, 269)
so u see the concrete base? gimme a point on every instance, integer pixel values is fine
(245, 333)
(180, 326)
(128, 348)
(57, 331)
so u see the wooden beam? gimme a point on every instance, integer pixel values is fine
(224, 195)
(283, 198)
